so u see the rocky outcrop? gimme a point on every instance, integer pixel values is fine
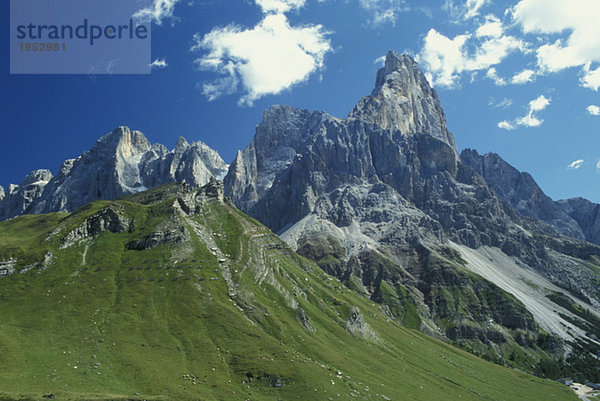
(191, 203)
(521, 192)
(7, 267)
(586, 214)
(357, 326)
(21, 199)
(109, 219)
(167, 236)
(120, 163)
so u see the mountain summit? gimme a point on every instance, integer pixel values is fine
(403, 100)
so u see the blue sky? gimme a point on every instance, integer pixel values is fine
(519, 78)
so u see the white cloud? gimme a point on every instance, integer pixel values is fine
(473, 6)
(447, 59)
(593, 110)
(384, 11)
(493, 75)
(578, 19)
(466, 10)
(279, 6)
(264, 60)
(491, 28)
(598, 167)
(575, 165)
(159, 10)
(380, 60)
(159, 63)
(530, 119)
(591, 78)
(443, 57)
(523, 77)
(539, 104)
(506, 125)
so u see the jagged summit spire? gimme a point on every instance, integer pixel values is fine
(396, 62)
(403, 100)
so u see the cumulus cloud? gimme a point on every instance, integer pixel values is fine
(598, 167)
(384, 11)
(593, 110)
(539, 104)
(580, 47)
(491, 28)
(447, 59)
(523, 77)
(506, 125)
(159, 63)
(159, 10)
(591, 78)
(575, 165)
(266, 59)
(530, 119)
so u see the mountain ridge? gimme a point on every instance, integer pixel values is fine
(120, 163)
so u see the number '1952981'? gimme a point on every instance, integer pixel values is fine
(42, 47)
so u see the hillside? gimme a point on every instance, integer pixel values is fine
(172, 294)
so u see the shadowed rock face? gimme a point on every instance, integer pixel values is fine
(375, 197)
(521, 192)
(586, 214)
(120, 163)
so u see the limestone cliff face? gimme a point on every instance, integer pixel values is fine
(20, 199)
(404, 101)
(120, 163)
(586, 214)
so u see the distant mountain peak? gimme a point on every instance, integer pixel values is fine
(121, 141)
(403, 100)
(120, 163)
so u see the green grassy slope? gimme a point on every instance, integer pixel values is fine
(225, 311)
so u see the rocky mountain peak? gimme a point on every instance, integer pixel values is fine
(403, 100)
(1, 192)
(182, 145)
(120, 163)
(401, 64)
(37, 176)
(122, 141)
